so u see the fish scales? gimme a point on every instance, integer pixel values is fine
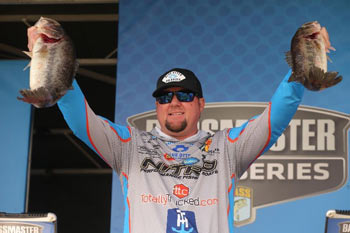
(308, 57)
(53, 63)
(56, 64)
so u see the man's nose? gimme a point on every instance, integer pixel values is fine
(175, 101)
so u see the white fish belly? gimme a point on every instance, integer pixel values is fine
(38, 72)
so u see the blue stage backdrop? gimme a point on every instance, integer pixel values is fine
(237, 50)
(15, 122)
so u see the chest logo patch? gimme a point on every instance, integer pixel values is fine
(180, 221)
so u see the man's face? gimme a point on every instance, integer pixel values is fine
(179, 119)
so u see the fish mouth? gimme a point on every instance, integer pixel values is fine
(314, 31)
(310, 30)
(313, 36)
(50, 27)
(49, 40)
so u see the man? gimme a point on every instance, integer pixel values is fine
(177, 178)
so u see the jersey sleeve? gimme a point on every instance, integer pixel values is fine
(110, 141)
(247, 142)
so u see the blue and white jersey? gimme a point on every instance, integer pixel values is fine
(180, 186)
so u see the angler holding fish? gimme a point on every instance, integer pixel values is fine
(199, 187)
(53, 63)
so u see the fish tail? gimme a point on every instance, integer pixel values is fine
(332, 78)
(40, 97)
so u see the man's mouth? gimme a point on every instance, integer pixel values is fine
(176, 113)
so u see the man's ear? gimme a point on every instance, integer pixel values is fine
(201, 104)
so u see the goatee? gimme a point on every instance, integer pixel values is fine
(175, 129)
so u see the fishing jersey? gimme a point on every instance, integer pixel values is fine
(180, 186)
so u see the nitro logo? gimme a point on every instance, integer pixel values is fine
(344, 227)
(181, 191)
(179, 221)
(11, 227)
(179, 170)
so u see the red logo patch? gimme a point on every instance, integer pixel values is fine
(168, 157)
(181, 191)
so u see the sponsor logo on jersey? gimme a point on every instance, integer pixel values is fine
(179, 170)
(181, 221)
(181, 191)
(180, 148)
(160, 199)
(197, 202)
(243, 202)
(172, 143)
(179, 152)
(168, 157)
(190, 161)
(208, 149)
(206, 145)
(180, 155)
(147, 151)
(179, 198)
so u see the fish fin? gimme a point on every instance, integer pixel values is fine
(329, 48)
(28, 53)
(76, 67)
(329, 59)
(289, 59)
(27, 66)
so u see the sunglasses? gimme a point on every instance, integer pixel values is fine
(182, 96)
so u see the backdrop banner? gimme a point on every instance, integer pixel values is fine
(237, 49)
(15, 122)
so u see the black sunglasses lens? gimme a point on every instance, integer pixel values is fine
(180, 95)
(165, 98)
(184, 96)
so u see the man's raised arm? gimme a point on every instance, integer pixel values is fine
(104, 137)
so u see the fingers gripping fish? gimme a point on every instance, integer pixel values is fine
(308, 57)
(53, 63)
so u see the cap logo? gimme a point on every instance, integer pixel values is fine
(173, 76)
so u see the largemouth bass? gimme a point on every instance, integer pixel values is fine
(53, 63)
(308, 57)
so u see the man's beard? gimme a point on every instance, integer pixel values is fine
(175, 129)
